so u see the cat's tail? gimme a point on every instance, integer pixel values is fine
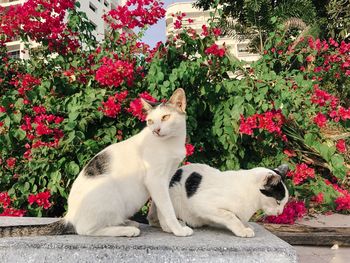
(59, 227)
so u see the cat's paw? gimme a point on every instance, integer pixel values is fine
(134, 233)
(184, 232)
(245, 232)
(131, 223)
(153, 222)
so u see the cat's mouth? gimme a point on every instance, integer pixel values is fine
(158, 134)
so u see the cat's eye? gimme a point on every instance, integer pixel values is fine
(166, 117)
(278, 202)
(150, 122)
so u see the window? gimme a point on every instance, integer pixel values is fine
(92, 7)
(243, 48)
(14, 54)
(94, 25)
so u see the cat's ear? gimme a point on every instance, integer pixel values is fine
(282, 170)
(148, 105)
(271, 180)
(178, 100)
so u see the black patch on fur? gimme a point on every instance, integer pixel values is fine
(176, 178)
(277, 172)
(192, 183)
(98, 165)
(276, 191)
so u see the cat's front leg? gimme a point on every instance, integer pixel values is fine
(158, 189)
(231, 221)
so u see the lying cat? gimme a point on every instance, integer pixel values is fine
(119, 180)
(203, 195)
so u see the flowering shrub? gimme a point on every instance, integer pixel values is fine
(58, 111)
(292, 211)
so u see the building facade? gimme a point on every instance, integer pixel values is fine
(94, 10)
(237, 47)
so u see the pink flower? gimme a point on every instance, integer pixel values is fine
(135, 13)
(41, 199)
(177, 24)
(292, 211)
(13, 212)
(289, 153)
(270, 121)
(341, 146)
(318, 198)
(189, 149)
(205, 31)
(320, 120)
(343, 202)
(5, 199)
(301, 173)
(114, 73)
(136, 107)
(112, 106)
(11, 162)
(217, 32)
(39, 109)
(215, 50)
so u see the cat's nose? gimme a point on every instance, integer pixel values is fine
(157, 131)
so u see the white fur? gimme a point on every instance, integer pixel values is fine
(141, 166)
(223, 198)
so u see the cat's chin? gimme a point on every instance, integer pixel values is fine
(160, 136)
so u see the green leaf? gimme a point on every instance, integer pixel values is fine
(20, 134)
(73, 168)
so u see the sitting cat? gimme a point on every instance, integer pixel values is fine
(203, 195)
(119, 180)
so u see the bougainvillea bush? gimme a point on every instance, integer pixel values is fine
(75, 96)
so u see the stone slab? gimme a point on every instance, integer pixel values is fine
(153, 245)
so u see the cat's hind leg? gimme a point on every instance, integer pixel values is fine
(231, 221)
(152, 216)
(116, 231)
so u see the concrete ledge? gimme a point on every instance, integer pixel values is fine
(206, 245)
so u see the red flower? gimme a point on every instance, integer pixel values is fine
(270, 121)
(320, 120)
(292, 211)
(341, 146)
(112, 106)
(215, 50)
(217, 32)
(289, 153)
(39, 109)
(135, 13)
(321, 97)
(13, 212)
(177, 24)
(11, 162)
(2, 109)
(189, 149)
(318, 198)
(113, 73)
(41, 199)
(301, 173)
(205, 31)
(136, 107)
(5, 199)
(343, 202)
